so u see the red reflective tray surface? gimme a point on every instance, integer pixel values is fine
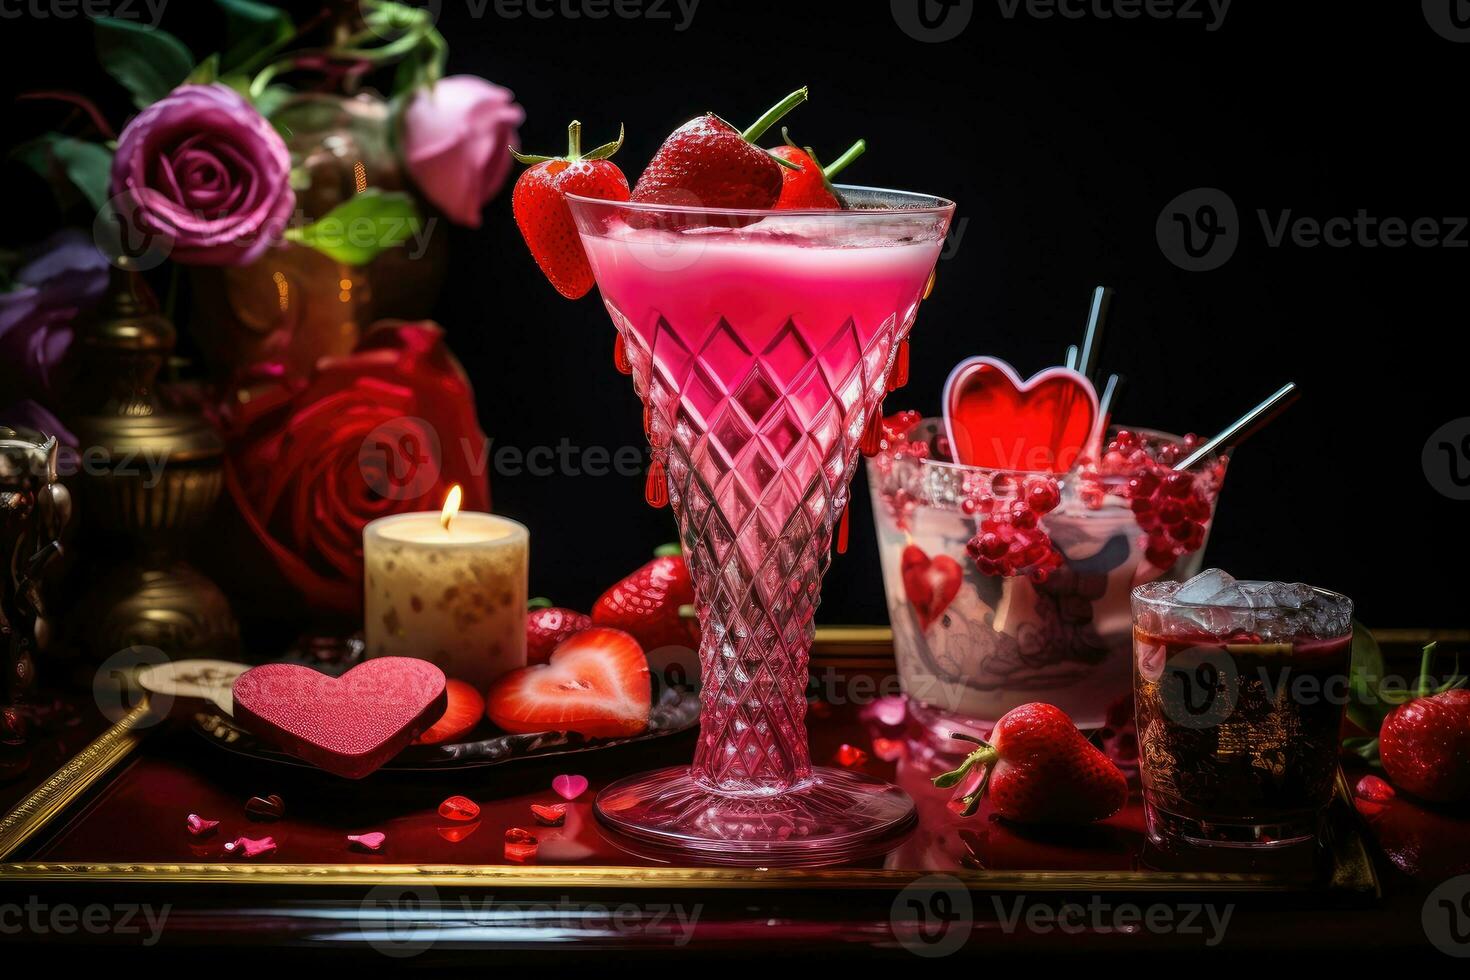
(139, 816)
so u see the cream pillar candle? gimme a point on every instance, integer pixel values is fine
(449, 588)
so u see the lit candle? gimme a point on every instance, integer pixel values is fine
(449, 588)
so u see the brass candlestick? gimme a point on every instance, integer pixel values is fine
(147, 482)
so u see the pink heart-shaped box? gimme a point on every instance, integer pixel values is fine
(997, 421)
(348, 725)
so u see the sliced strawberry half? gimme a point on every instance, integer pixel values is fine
(461, 714)
(596, 684)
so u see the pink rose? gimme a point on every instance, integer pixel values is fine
(457, 135)
(202, 168)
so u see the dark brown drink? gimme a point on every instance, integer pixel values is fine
(1239, 694)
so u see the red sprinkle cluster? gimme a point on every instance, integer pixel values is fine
(1011, 540)
(1173, 509)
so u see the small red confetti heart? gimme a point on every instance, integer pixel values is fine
(249, 847)
(368, 842)
(198, 826)
(850, 756)
(459, 808)
(888, 749)
(454, 833)
(520, 845)
(569, 787)
(551, 815)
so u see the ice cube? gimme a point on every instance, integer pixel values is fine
(1292, 595)
(1212, 587)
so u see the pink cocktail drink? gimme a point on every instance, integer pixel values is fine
(761, 344)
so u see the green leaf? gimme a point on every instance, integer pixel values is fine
(85, 166)
(1366, 673)
(356, 230)
(251, 27)
(206, 72)
(1363, 747)
(147, 61)
(271, 100)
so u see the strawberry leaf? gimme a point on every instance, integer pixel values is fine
(1363, 747)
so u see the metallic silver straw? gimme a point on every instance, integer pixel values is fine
(1245, 426)
(1102, 297)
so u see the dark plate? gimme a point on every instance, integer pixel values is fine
(676, 711)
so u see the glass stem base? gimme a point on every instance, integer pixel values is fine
(835, 817)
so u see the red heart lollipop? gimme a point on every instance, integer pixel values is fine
(348, 725)
(996, 421)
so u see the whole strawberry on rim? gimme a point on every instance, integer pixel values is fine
(541, 212)
(709, 163)
(809, 187)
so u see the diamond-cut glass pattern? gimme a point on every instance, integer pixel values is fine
(761, 446)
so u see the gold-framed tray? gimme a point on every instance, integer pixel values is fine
(147, 777)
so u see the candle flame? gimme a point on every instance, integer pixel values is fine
(451, 505)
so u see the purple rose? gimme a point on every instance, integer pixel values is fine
(204, 170)
(62, 278)
(28, 415)
(457, 135)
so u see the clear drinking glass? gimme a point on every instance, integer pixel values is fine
(971, 646)
(761, 343)
(1239, 692)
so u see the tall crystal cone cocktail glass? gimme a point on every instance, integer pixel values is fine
(761, 343)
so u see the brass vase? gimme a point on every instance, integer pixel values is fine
(295, 305)
(147, 480)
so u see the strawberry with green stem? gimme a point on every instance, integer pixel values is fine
(1037, 769)
(541, 211)
(1424, 742)
(709, 163)
(809, 187)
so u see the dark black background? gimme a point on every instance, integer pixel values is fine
(1062, 140)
